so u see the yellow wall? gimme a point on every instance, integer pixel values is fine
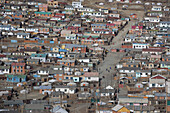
(124, 110)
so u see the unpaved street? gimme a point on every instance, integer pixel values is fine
(107, 67)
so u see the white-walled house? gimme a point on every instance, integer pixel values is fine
(128, 70)
(4, 70)
(156, 8)
(91, 77)
(143, 73)
(157, 81)
(164, 24)
(43, 71)
(91, 13)
(5, 27)
(66, 89)
(119, 66)
(69, 7)
(84, 60)
(85, 9)
(140, 45)
(41, 57)
(108, 91)
(31, 29)
(77, 4)
(23, 35)
(152, 19)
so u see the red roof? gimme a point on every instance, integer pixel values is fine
(158, 77)
(64, 3)
(72, 28)
(18, 64)
(56, 16)
(1, 56)
(140, 27)
(101, 30)
(153, 49)
(110, 24)
(59, 14)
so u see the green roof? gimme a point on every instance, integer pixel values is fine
(19, 76)
(42, 12)
(38, 55)
(87, 36)
(168, 102)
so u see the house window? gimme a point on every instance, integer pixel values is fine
(60, 74)
(153, 85)
(60, 78)
(10, 78)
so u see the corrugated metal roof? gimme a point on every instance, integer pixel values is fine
(117, 107)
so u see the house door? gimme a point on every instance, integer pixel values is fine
(20, 80)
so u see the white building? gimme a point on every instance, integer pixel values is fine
(66, 89)
(156, 8)
(77, 4)
(140, 45)
(157, 81)
(152, 19)
(164, 24)
(23, 35)
(4, 70)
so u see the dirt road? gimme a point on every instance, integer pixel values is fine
(107, 67)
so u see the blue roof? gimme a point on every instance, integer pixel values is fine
(159, 43)
(98, 24)
(165, 22)
(38, 55)
(36, 38)
(45, 87)
(62, 50)
(73, 45)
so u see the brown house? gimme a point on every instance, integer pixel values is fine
(18, 68)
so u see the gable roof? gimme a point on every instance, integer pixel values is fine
(158, 77)
(13, 102)
(38, 55)
(34, 106)
(117, 107)
(19, 76)
(18, 64)
(42, 12)
(45, 87)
